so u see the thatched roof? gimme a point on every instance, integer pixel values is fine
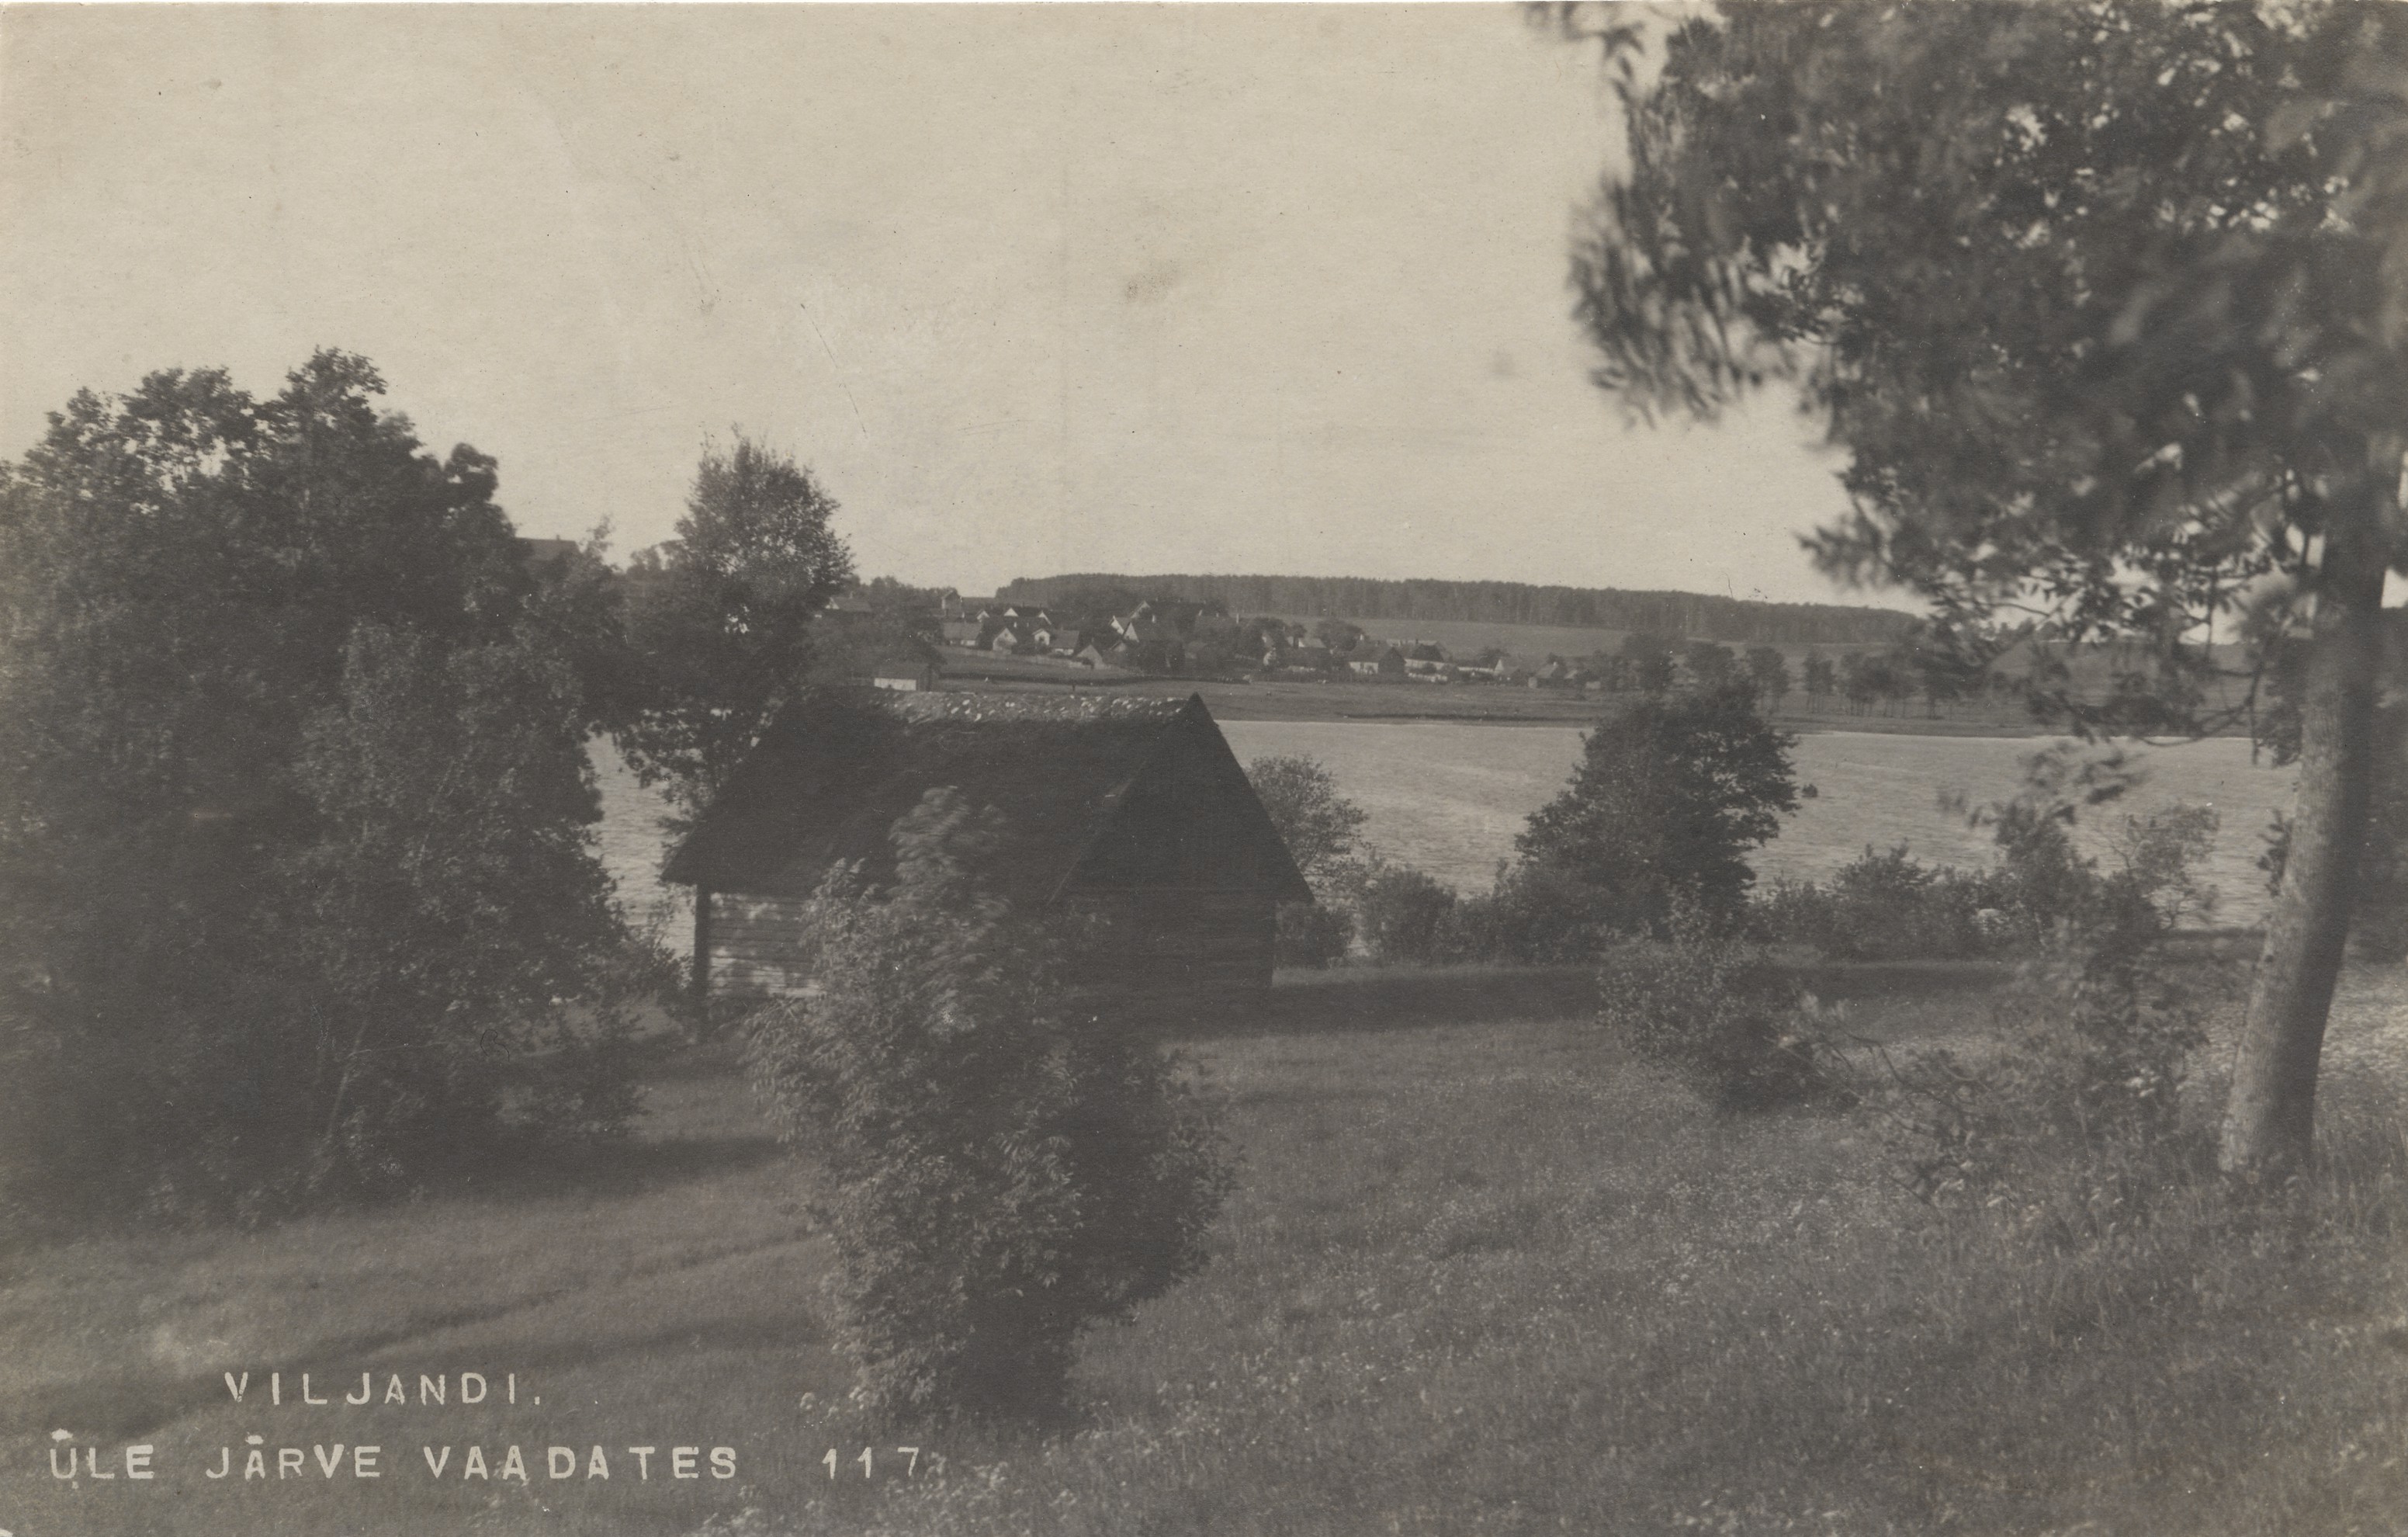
(1098, 795)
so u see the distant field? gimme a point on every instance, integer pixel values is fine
(1535, 641)
(1450, 797)
(1316, 700)
(1466, 638)
(1350, 698)
(1534, 644)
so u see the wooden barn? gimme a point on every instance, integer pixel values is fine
(1131, 809)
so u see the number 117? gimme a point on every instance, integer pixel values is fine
(868, 1464)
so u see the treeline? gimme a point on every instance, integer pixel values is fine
(299, 897)
(1689, 614)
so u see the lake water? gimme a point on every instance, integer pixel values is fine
(631, 851)
(1449, 797)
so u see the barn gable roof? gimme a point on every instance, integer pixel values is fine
(1098, 795)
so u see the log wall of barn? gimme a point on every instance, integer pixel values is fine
(756, 948)
(1213, 948)
(1152, 948)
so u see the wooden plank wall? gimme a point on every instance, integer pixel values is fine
(1178, 949)
(1149, 950)
(756, 947)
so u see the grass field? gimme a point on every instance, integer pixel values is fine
(1628, 1316)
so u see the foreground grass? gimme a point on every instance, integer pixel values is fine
(1517, 1284)
(1479, 1276)
(658, 1294)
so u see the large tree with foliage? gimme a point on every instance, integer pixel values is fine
(1769, 671)
(2109, 304)
(293, 871)
(1670, 797)
(1316, 820)
(721, 617)
(1319, 826)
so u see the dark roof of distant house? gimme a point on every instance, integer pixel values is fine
(532, 550)
(1098, 794)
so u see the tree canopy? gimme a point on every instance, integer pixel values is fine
(720, 618)
(2109, 304)
(1316, 820)
(293, 869)
(1670, 797)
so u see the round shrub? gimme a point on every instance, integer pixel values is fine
(1884, 905)
(1002, 1169)
(1706, 1006)
(1314, 933)
(1408, 915)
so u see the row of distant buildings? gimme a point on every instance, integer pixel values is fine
(1426, 662)
(1145, 636)
(1173, 636)
(1150, 636)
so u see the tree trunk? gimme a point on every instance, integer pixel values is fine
(2270, 1119)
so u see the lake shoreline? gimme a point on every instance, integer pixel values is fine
(1478, 704)
(1449, 796)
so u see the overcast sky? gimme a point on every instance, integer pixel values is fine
(1031, 289)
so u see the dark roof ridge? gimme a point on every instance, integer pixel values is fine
(1072, 708)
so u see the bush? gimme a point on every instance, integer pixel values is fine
(2100, 1037)
(1886, 906)
(1536, 915)
(1408, 917)
(1312, 934)
(1317, 823)
(1001, 1172)
(2043, 877)
(2081, 1115)
(1704, 1004)
(1319, 827)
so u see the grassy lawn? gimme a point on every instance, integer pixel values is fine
(1483, 1273)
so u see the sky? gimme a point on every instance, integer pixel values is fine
(1029, 290)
